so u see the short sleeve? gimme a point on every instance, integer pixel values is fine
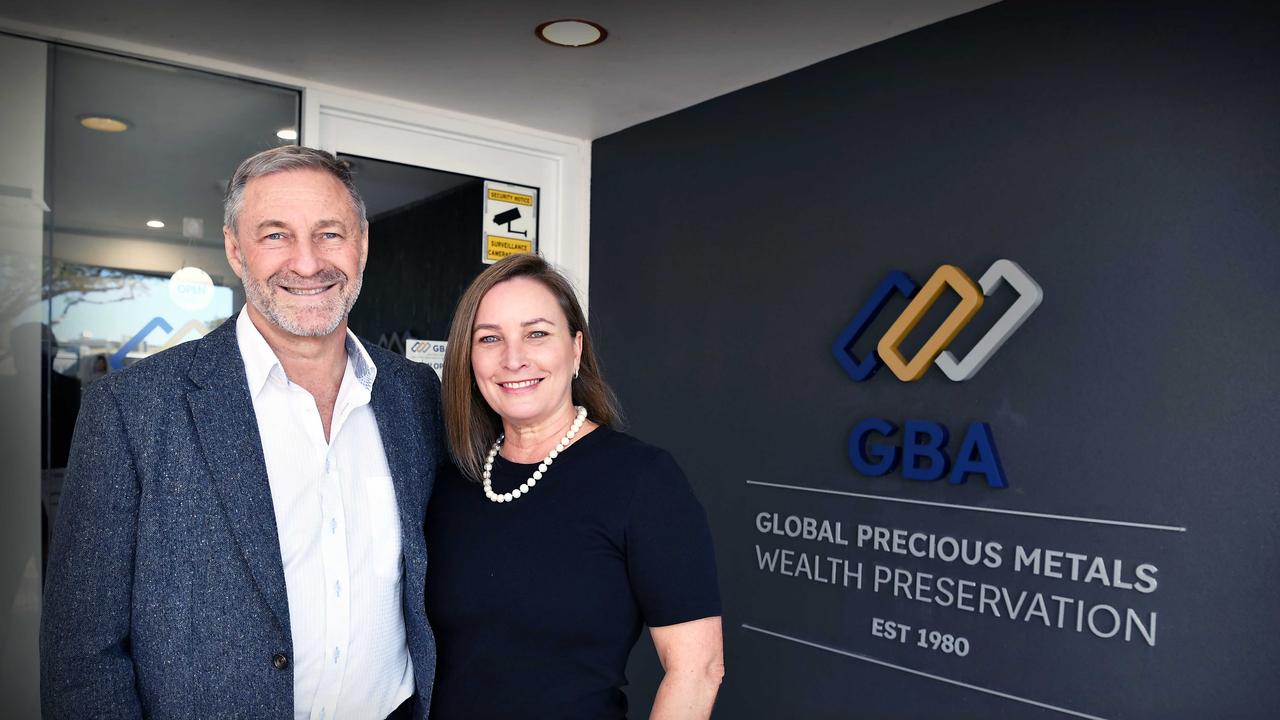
(670, 557)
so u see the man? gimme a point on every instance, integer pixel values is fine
(241, 526)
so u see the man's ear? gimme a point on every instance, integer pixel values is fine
(232, 248)
(364, 246)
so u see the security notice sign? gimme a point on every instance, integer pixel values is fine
(510, 220)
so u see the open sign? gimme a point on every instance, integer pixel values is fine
(191, 288)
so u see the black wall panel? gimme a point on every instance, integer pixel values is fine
(1127, 156)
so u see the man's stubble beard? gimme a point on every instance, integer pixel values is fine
(331, 313)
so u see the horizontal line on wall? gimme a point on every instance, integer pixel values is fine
(921, 673)
(974, 508)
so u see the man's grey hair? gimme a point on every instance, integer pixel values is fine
(283, 159)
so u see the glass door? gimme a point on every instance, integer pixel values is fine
(111, 182)
(138, 158)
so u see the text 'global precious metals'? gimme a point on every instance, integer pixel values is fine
(934, 350)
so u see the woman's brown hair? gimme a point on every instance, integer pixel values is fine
(470, 424)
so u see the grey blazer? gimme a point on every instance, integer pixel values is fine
(165, 594)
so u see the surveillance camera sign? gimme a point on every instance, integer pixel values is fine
(510, 221)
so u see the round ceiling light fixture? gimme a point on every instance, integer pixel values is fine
(157, 224)
(102, 123)
(571, 32)
(287, 134)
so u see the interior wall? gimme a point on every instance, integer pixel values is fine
(142, 255)
(1125, 155)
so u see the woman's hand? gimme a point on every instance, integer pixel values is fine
(692, 654)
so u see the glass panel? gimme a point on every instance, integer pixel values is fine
(139, 155)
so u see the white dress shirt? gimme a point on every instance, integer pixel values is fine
(339, 526)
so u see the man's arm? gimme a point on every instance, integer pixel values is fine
(85, 664)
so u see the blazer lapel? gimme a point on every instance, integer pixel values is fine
(222, 411)
(404, 447)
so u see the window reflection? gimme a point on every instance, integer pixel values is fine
(108, 319)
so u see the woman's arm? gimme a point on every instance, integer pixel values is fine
(692, 654)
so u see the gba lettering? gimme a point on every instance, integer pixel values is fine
(876, 449)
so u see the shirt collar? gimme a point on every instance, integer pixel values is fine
(261, 363)
(360, 362)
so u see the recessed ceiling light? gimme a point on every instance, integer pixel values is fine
(287, 134)
(155, 224)
(102, 123)
(572, 32)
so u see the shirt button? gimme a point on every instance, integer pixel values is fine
(280, 661)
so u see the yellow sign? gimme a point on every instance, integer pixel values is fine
(510, 221)
(510, 197)
(500, 247)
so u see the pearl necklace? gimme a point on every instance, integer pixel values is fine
(527, 485)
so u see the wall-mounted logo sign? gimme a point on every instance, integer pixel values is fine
(934, 350)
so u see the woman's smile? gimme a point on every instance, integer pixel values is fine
(516, 386)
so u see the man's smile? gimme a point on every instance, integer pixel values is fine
(306, 290)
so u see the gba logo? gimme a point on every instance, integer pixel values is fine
(922, 452)
(934, 351)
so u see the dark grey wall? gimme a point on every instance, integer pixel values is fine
(1127, 156)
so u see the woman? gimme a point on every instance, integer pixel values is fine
(557, 537)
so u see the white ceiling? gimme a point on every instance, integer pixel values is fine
(481, 57)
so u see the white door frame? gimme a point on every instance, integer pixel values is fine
(429, 137)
